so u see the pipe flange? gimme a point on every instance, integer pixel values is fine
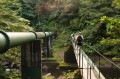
(45, 34)
(34, 33)
(49, 33)
(7, 41)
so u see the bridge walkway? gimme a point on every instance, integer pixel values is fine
(87, 68)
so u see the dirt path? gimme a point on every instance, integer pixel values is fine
(61, 77)
(51, 68)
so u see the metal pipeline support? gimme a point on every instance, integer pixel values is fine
(13, 39)
(41, 35)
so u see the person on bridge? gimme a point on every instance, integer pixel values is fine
(78, 39)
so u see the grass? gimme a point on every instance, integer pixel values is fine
(48, 76)
(67, 65)
(103, 61)
(47, 59)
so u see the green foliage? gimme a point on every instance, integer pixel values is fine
(27, 10)
(116, 59)
(92, 10)
(46, 26)
(67, 74)
(77, 74)
(76, 25)
(48, 76)
(12, 74)
(116, 3)
(9, 20)
(72, 74)
(113, 31)
(113, 37)
(17, 74)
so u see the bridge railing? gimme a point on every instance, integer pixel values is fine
(91, 69)
(105, 65)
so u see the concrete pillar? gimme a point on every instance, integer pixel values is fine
(46, 47)
(31, 60)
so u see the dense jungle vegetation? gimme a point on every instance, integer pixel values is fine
(98, 20)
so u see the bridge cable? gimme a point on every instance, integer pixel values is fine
(101, 55)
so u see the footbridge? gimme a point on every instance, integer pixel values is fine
(92, 66)
(33, 44)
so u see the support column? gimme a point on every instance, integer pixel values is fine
(46, 47)
(50, 46)
(31, 60)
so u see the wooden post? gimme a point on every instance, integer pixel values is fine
(31, 60)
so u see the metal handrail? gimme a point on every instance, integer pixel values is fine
(102, 55)
(111, 65)
(93, 66)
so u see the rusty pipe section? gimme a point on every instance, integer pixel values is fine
(13, 39)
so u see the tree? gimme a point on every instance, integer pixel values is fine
(113, 37)
(113, 31)
(12, 22)
(28, 10)
(116, 4)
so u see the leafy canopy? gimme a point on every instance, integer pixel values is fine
(9, 19)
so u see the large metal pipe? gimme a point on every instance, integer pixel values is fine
(13, 39)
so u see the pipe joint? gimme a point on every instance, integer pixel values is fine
(7, 46)
(34, 33)
(50, 33)
(45, 34)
